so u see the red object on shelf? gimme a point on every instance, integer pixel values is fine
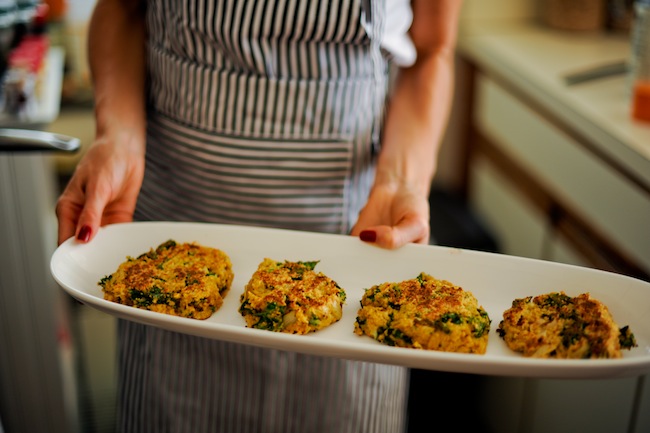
(641, 101)
(30, 53)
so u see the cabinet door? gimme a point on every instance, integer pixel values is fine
(540, 405)
(571, 182)
(642, 420)
(569, 179)
(559, 250)
(568, 406)
(519, 228)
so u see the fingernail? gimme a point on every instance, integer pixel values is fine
(368, 235)
(84, 234)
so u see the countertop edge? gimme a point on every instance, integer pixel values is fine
(481, 47)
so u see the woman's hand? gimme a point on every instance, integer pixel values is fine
(103, 189)
(394, 215)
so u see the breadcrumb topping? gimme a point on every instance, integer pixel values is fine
(555, 325)
(291, 297)
(187, 280)
(424, 313)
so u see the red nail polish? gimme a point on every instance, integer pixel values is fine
(368, 236)
(84, 234)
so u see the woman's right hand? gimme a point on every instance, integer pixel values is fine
(103, 189)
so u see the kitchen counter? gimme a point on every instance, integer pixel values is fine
(535, 60)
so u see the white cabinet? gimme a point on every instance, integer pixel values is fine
(641, 422)
(522, 405)
(518, 227)
(577, 196)
(547, 193)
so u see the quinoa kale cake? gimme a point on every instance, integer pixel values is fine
(424, 313)
(187, 280)
(291, 297)
(556, 325)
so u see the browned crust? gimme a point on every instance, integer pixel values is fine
(424, 313)
(187, 280)
(291, 297)
(555, 325)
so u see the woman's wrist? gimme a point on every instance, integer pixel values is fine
(394, 185)
(410, 174)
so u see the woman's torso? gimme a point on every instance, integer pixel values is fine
(262, 113)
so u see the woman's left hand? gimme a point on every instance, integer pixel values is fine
(394, 216)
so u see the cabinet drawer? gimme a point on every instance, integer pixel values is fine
(599, 195)
(517, 225)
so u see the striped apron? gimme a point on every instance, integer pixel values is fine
(260, 113)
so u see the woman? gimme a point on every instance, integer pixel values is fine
(263, 113)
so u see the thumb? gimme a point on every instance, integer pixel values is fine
(407, 230)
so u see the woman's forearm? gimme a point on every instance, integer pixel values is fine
(419, 109)
(415, 123)
(116, 44)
